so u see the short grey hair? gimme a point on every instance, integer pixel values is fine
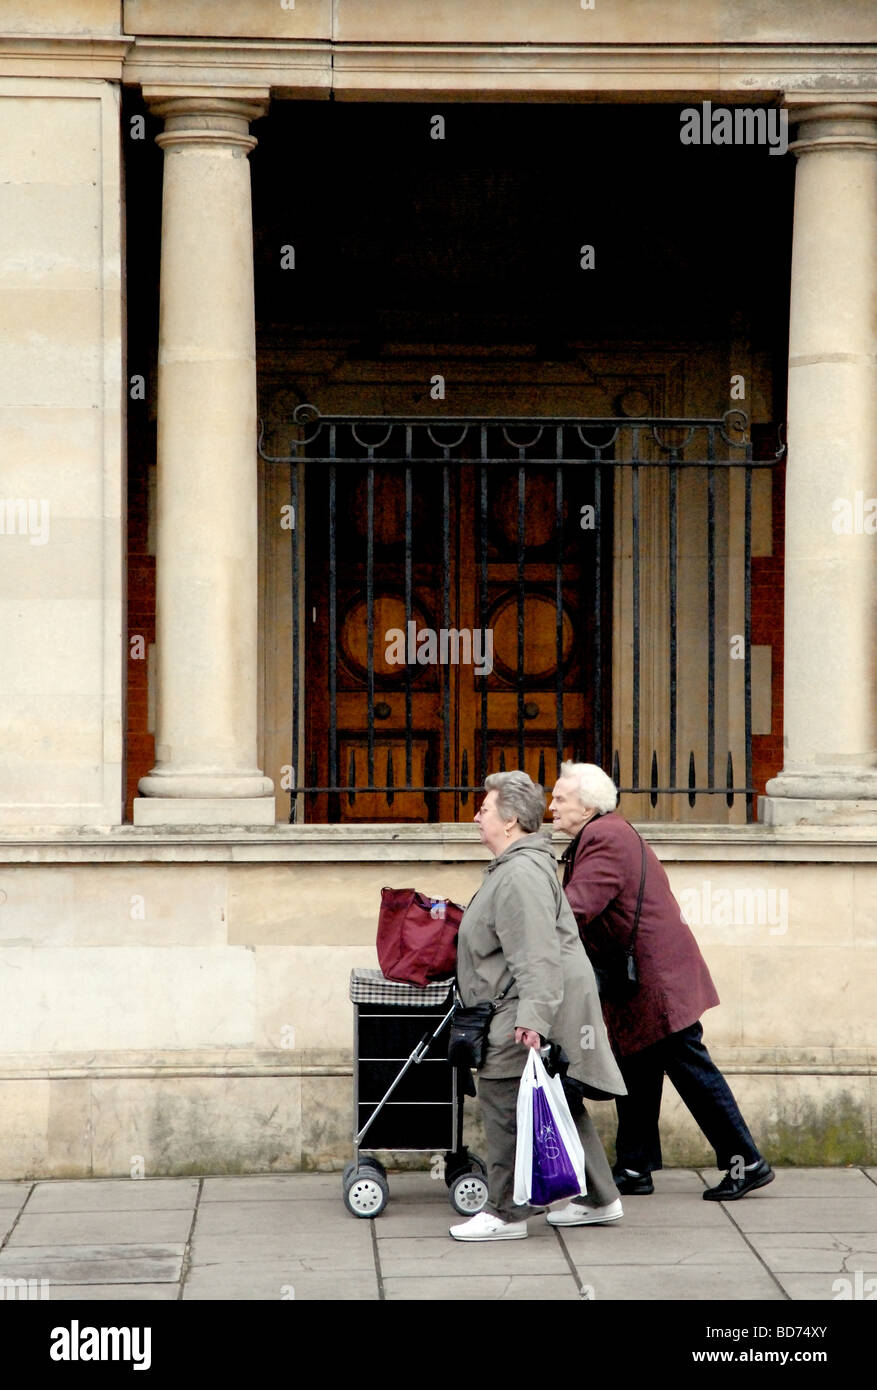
(595, 789)
(519, 797)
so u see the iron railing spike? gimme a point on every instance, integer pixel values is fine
(351, 777)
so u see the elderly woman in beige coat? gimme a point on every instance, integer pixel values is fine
(519, 931)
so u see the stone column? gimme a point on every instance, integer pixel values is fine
(830, 769)
(206, 567)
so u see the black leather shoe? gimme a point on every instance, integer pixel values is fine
(731, 1189)
(641, 1186)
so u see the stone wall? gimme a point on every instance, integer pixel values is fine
(188, 1006)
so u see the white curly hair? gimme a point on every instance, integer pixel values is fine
(596, 790)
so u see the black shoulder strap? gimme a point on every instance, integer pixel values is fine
(642, 884)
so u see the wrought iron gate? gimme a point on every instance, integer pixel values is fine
(428, 457)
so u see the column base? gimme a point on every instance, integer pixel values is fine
(204, 810)
(798, 810)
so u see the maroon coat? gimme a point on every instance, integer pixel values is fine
(601, 878)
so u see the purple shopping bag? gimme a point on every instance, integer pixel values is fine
(554, 1176)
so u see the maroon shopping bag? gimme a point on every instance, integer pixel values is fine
(417, 936)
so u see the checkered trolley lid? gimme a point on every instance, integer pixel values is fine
(371, 987)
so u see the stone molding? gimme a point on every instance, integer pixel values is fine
(415, 844)
(304, 68)
(824, 126)
(248, 1062)
(29, 56)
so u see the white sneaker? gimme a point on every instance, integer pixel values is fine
(576, 1214)
(486, 1227)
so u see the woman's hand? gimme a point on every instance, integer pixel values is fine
(528, 1037)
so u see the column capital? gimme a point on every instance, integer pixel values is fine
(831, 123)
(208, 115)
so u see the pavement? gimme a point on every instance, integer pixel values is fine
(810, 1235)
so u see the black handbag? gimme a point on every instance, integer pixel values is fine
(467, 1042)
(617, 975)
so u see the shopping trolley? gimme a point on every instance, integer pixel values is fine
(406, 1095)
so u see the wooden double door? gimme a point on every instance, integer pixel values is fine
(505, 634)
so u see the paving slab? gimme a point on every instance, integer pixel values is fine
(427, 1256)
(675, 1211)
(252, 1219)
(655, 1245)
(676, 1182)
(114, 1194)
(272, 1187)
(304, 1252)
(716, 1283)
(828, 1288)
(419, 1219)
(101, 1228)
(13, 1194)
(94, 1264)
(805, 1252)
(114, 1293)
(7, 1221)
(496, 1288)
(278, 1281)
(831, 1214)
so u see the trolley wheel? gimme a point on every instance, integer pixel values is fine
(467, 1163)
(366, 1161)
(468, 1193)
(367, 1193)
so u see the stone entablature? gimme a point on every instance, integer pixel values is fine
(311, 67)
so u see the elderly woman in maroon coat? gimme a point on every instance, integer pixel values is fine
(654, 1029)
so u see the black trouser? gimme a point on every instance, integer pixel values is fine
(685, 1060)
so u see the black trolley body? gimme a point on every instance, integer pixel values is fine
(406, 1095)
